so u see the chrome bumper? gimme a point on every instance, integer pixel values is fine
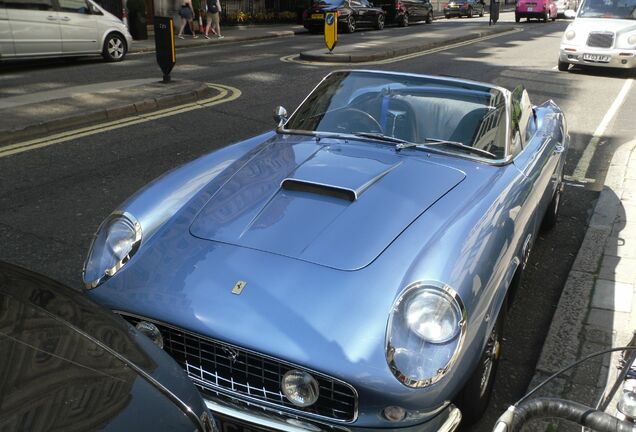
(624, 59)
(447, 421)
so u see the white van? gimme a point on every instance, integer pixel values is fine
(603, 35)
(56, 28)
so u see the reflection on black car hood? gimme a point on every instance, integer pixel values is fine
(54, 377)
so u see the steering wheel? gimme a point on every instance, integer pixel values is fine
(351, 116)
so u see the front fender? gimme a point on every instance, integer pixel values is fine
(158, 201)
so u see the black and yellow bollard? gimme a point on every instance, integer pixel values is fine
(331, 30)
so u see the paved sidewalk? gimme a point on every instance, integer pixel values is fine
(597, 308)
(27, 116)
(230, 34)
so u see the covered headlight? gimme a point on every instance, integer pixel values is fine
(632, 39)
(569, 35)
(116, 241)
(424, 333)
(300, 388)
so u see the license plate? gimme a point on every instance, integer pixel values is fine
(317, 16)
(226, 424)
(596, 58)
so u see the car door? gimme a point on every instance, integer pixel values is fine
(538, 151)
(6, 40)
(35, 27)
(78, 26)
(360, 12)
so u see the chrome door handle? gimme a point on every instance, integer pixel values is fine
(65, 19)
(51, 18)
(558, 149)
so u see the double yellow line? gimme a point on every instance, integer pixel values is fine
(225, 94)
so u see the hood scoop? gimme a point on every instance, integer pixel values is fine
(326, 174)
(335, 205)
(319, 189)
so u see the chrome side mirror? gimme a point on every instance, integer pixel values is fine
(280, 116)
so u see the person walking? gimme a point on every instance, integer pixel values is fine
(213, 19)
(186, 12)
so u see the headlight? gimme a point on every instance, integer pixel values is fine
(116, 241)
(300, 388)
(627, 404)
(632, 39)
(433, 316)
(569, 35)
(425, 331)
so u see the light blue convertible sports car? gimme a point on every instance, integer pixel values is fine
(351, 269)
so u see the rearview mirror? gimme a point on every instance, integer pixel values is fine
(570, 14)
(280, 116)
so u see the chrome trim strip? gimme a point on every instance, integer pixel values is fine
(453, 420)
(228, 409)
(441, 372)
(257, 419)
(263, 403)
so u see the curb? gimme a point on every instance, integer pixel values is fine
(390, 53)
(91, 117)
(573, 332)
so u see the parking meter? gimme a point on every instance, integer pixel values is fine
(331, 30)
(164, 45)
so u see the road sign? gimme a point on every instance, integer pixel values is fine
(164, 45)
(331, 30)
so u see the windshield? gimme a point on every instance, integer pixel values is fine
(408, 108)
(621, 9)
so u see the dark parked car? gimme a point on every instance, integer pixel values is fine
(351, 15)
(68, 364)
(462, 8)
(402, 12)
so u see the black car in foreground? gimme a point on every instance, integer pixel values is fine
(352, 14)
(403, 12)
(462, 8)
(67, 364)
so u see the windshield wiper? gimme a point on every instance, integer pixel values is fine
(435, 141)
(387, 138)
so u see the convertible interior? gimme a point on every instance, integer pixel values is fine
(418, 114)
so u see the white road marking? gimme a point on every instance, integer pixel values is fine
(294, 58)
(585, 160)
(226, 94)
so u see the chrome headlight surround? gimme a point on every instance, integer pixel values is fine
(117, 239)
(416, 359)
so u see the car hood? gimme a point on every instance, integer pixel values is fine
(333, 204)
(55, 373)
(603, 24)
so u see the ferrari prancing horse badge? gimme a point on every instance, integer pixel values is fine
(238, 288)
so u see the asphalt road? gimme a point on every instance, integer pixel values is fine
(52, 199)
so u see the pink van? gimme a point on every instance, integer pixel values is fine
(539, 9)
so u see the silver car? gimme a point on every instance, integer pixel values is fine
(56, 28)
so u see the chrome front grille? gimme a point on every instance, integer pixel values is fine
(600, 39)
(216, 367)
